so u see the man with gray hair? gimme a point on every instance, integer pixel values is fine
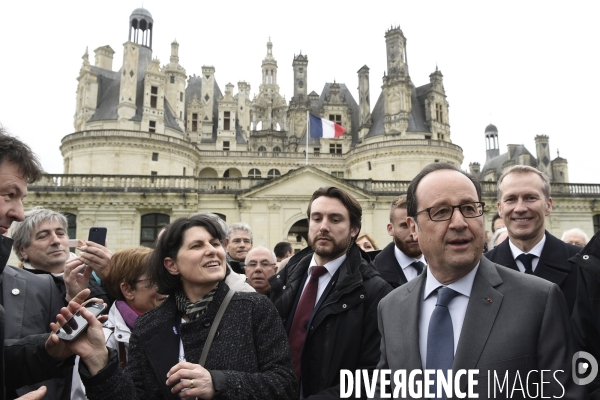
(524, 202)
(575, 236)
(237, 245)
(261, 264)
(41, 243)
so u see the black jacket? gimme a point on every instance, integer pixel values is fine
(586, 314)
(249, 357)
(343, 330)
(388, 266)
(552, 266)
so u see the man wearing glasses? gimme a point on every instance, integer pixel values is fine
(260, 266)
(467, 313)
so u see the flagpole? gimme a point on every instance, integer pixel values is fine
(307, 135)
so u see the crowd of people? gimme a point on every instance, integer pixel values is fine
(205, 313)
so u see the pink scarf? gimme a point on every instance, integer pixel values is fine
(128, 313)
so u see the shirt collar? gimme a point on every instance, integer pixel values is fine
(536, 250)
(405, 260)
(331, 266)
(462, 286)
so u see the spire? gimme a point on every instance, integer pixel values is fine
(86, 57)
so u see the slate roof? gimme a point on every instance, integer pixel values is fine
(109, 85)
(497, 162)
(195, 87)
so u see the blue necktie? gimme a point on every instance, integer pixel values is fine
(418, 266)
(526, 259)
(440, 336)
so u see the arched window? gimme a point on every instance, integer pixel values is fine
(151, 226)
(276, 149)
(273, 173)
(262, 148)
(254, 173)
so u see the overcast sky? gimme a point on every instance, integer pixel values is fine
(528, 67)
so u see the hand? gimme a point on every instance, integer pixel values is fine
(96, 256)
(75, 281)
(90, 345)
(183, 374)
(35, 395)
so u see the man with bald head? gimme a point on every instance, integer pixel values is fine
(260, 266)
(465, 312)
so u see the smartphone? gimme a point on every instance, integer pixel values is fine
(97, 235)
(77, 324)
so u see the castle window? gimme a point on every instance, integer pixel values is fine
(336, 118)
(596, 220)
(273, 173)
(335, 148)
(369, 165)
(393, 167)
(317, 151)
(152, 224)
(226, 147)
(194, 122)
(172, 78)
(254, 173)
(154, 156)
(152, 127)
(276, 150)
(262, 148)
(153, 96)
(338, 174)
(226, 120)
(180, 96)
(71, 226)
(439, 114)
(183, 171)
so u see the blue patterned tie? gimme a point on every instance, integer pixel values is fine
(440, 337)
(526, 259)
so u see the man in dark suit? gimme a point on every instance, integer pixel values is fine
(523, 203)
(327, 296)
(466, 312)
(401, 260)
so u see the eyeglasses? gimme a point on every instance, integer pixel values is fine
(444, 212)
(263, 264)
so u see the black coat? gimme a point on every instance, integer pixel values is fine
(343, 330)
(553, 265)
(388, 266)
(249, 357)
(586, 314)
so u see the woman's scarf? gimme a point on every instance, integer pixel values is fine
(194, 310)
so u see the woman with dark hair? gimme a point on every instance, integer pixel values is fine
(249, 356)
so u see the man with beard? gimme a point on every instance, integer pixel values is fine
(327, 297)
(401, 260)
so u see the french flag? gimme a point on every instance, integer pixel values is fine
(323, 128)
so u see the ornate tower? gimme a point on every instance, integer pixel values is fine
(397, 87)
(436, 107)
(87, 94)
(269, 67)
(299, 103)
(208, 92)
(492, 145)
(364, 103)
(175, 85)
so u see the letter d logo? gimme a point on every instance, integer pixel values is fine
(582, 367)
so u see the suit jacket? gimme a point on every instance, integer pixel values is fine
(388, 266)
(553, 264)
(513, 323)
(31, 303)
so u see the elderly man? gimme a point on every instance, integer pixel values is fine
(327, 296)
(524, 202)
(42, 244)
(260, 266)
(575, 236)
(465, 312)
(32, 358)
(401, 260)
(237, 245)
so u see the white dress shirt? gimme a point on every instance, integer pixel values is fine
(457, 307)
(409, 271)
(536, 250)
(331, 267)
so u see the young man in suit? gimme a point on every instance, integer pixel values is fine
(523, 203)
(401, 260)
(465, 312)
(327, 296)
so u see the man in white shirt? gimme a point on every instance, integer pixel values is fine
(401, 260)
(466, 313)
